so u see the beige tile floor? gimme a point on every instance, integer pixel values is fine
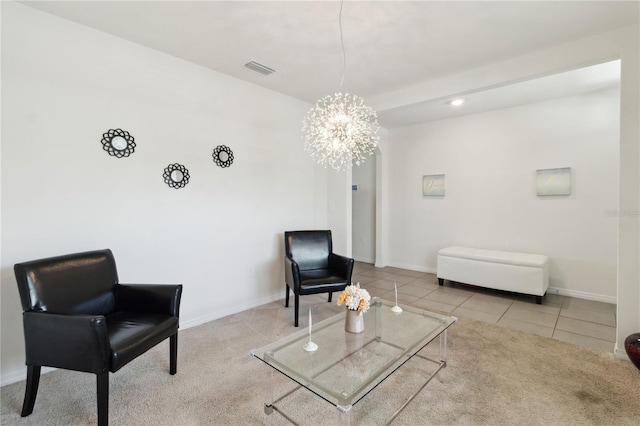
(581, 322)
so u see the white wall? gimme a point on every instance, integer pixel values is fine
(63, 85)
(490, 161)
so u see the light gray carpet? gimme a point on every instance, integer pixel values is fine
(494, 376)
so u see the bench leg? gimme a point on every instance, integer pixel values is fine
(539, 300)
(440, 281)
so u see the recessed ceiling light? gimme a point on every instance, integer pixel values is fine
(457, 102)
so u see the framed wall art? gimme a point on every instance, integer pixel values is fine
(553, 181)
(433, 185)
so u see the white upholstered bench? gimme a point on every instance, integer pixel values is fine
(499, 270)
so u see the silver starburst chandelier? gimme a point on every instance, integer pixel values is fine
(340, 130)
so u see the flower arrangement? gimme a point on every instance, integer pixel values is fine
(355, 298)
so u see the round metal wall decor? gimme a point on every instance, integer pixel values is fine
(118, 143)
(176, 175)
(222, 156)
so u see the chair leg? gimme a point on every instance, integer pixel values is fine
(330, 296)
(286, 297)
(103, 398)
(297, 307)
(173, 354)
(33, 380)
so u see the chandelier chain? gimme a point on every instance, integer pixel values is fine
(340, 130)
(344, 55)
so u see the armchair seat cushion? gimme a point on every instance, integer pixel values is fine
(320, 281)
(132, 334)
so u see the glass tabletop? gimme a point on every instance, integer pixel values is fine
(346, 366)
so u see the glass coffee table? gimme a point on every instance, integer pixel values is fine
(346, 366)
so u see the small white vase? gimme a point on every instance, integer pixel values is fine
(354, 322)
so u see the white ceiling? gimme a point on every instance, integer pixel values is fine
(568, 83)
(389, 44)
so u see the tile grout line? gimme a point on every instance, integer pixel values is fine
(505, 312)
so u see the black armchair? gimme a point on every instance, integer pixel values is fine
(78, 317)
(311, 267)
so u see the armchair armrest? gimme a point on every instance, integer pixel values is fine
(291, 273)
(150, 298)
(73, 342)
(341, 264)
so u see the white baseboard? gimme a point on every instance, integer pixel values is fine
(364, 260)
(20, 375)
(553, 290)
(620, 353)
(193, 322)
(413, 267)
(582, 295)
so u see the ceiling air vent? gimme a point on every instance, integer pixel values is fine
(257, 67)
